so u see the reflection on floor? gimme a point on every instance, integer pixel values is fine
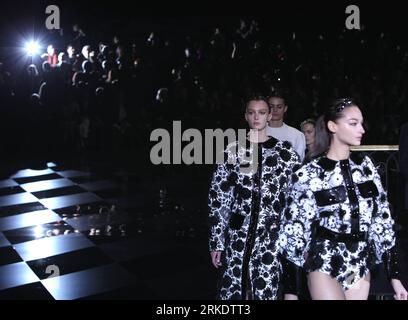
(72, 234)
(68, 234)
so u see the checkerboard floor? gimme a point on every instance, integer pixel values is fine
(69, 234)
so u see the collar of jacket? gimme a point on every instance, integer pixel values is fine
(329, 164)
(269, 144)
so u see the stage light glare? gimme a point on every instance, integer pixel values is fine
(32, 48)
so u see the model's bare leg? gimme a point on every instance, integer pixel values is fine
(360, 290)
(324, 287)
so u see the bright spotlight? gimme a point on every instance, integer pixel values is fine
(32, 48)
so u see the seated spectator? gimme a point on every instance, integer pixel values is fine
(51, 56)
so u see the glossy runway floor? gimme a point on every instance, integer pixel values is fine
(69, 233)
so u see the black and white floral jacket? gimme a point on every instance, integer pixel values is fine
(245, 202)
(346, 197)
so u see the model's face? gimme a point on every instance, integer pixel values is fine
(348, 129)
(309, 131)
(257, 115)
(278, 108)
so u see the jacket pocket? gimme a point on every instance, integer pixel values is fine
(330, 196)
(368, 189)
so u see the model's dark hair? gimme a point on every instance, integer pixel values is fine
(257, 97)
(333, 113)
(279, 95)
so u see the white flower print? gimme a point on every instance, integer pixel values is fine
(309, 212)
(302, 175)
(363, 227)
(388, 238)
(283, 240)
(336, 180)
(363, 206)
(299, 244)
(315, 184)
(331, 222)
(288, 229)
(294, 211)
(357, 176)
(381, 220)
(377, 228)
(297, 229)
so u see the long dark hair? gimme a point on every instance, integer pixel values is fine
(323, 135)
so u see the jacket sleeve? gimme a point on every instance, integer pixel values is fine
(291, 277)
(381, 231)
(296, 222)
(290, 166)
(220, 200)
(392, 263)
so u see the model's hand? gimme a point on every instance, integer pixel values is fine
(400, 292)
(290, 296)
(216, 258)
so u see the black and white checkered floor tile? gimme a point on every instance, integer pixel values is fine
(68, 234)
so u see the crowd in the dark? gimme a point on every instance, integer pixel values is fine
(80, 94)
